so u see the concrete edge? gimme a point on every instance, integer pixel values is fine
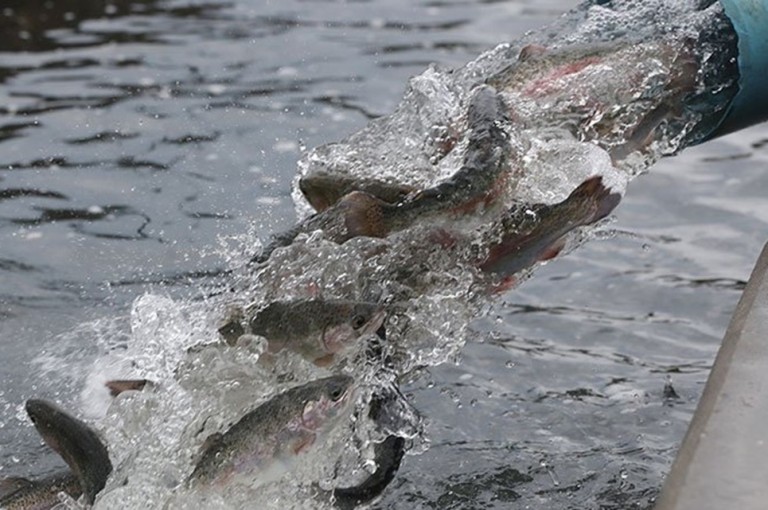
(720, 461)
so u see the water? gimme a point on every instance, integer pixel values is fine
(141, 141)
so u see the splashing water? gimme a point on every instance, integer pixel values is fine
(579, 102)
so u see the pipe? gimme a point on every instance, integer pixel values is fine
(750, 105)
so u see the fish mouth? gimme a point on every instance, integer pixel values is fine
(316, 413)
(376, 321)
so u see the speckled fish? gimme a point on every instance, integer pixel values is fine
(316, 329)
(477, 183)
(81, 449)
(256, 448)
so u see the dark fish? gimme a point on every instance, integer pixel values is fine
(272, 434)
(81, 449)
(388, 454)
(484, 169)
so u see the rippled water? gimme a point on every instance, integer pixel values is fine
(139, 139)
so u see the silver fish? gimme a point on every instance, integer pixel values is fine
(316, 329)
(274, 433)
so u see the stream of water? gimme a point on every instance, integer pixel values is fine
(145, 146)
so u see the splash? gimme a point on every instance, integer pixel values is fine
(588, 98)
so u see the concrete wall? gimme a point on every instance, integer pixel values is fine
(723, 461)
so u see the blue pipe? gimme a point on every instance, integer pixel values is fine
(750, 104)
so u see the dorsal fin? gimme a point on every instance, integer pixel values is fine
(210, 442)
(10, 485)
(75, 442)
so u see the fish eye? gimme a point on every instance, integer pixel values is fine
(358, 321)
(337, 393)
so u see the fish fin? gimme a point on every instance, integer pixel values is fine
(118, 386)
(11, 484)
(363, 215)
(304, 444)
(325, 361)
(591, 201)
(388, 455)
(76, 443)
(211, 441)
(552, 251)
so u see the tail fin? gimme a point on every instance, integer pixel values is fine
(526, 241)
(118, 386)
(364, 215)
(592, 199)
(75, 442)
(10, 485)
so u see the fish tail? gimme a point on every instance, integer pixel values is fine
(521, 245)
(76, 443)
(591, 201)
(365, 215)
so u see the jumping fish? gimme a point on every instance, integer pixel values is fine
(527, 234)
(272, 434)
(316, 329)
(81, 449)
(602, 90)
(477, 183)
(522, 236)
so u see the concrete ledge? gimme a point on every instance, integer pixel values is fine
(723, 461)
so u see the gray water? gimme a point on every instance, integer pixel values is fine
(136, 135)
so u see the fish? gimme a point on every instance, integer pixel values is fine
(478, 183)
(76, 443)
(527, 234)
(316, 329)
(273, 434)
(486, 164)
(323, 189)
(602, 90)
(523, 235)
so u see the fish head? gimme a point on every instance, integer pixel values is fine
(329, 402)
(358, 319)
